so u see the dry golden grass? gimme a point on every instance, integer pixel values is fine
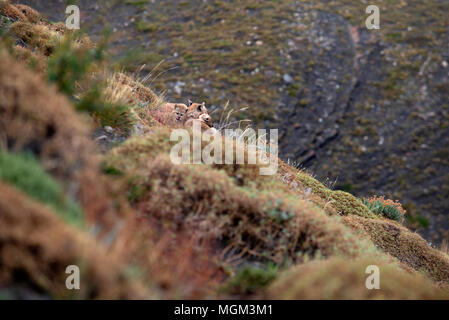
(35, 60)
(35, 32)
(12, 11)
(340, 278)
(444, 247)
(136, 91)
(31, 14)
(37, 36)
(257, 215)
(124, 89)
(408, 247)
(178, 265)
(19, 12)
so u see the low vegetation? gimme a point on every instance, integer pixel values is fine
(26, 174)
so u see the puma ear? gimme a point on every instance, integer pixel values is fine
(180, 108)
(189, 102)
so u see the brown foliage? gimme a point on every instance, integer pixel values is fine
(37, 36)
(259, 220)
(31, 14)
(12, 12)
(37, 119)
(178, 265)
(36, 247)
(139, 91)
(408, 247)
(340, 278)
(36, 60)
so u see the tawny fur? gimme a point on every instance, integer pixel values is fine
(173, 113)
(197, 112)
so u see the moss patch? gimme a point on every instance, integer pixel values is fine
(26, 174)
(344, 202)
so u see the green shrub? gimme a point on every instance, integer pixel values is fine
(144, 26)
(344, 202)
(392, 213)
(25, 173)
(378, 208)
(69, 64)
(249, 279)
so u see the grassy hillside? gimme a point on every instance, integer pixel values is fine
(82, 142)
(367, 109)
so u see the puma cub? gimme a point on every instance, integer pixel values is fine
(197, 113)
(173, 113)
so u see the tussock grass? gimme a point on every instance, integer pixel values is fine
(339, 278)
(256, 214)
(408, 247)
(343, 202)
(19, 12)
(35, 60)
(37, 36)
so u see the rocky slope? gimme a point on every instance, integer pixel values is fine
(365, 109)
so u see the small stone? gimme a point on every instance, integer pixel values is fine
(103, 137)
(259, 43)
(287, 78)
(444, 64)
(178, 87)
(138, 129)
(108, 129)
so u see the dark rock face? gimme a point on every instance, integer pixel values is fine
(368, 118)
(368, 109)
(325, 62)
